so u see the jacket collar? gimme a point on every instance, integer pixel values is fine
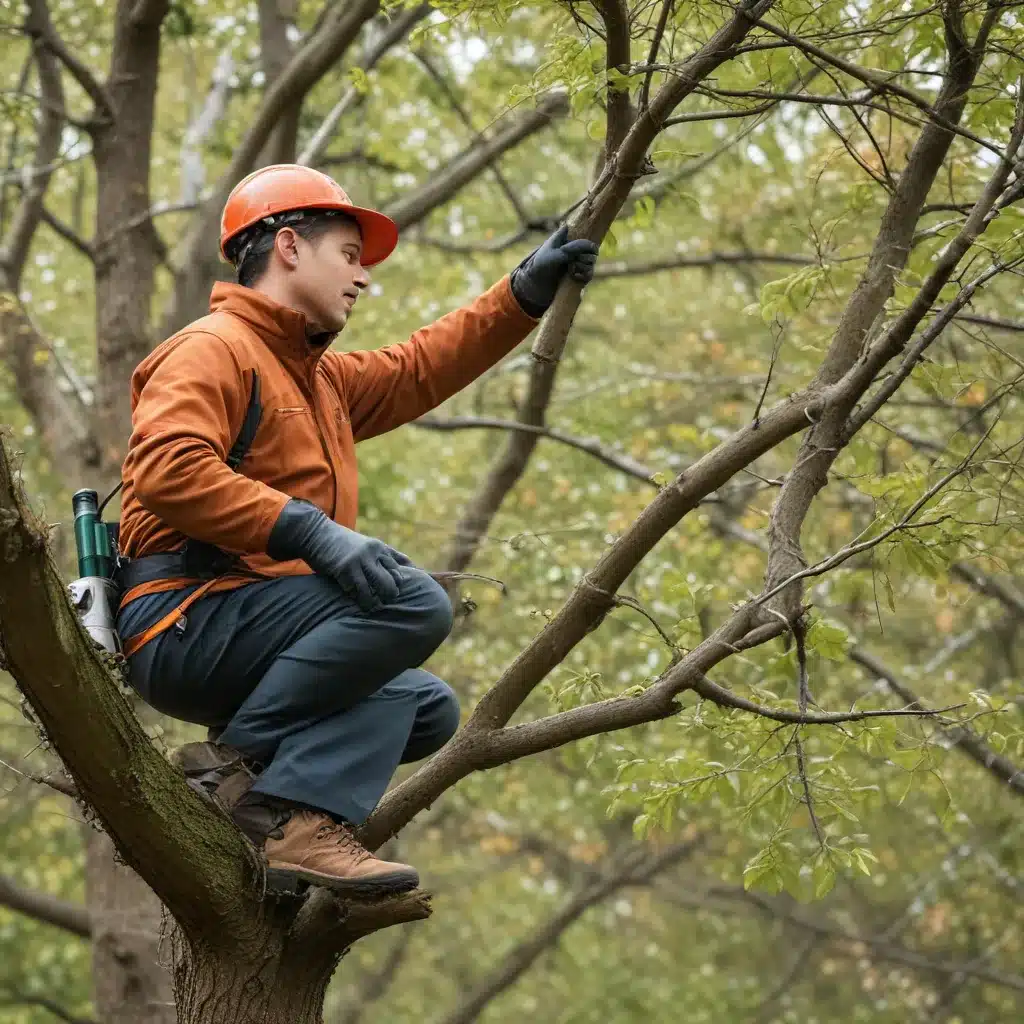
(281, 328)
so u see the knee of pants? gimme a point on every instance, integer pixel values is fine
(448, 714)
(438, 724)
(427, 602)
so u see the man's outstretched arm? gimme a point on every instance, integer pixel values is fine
(387, 387)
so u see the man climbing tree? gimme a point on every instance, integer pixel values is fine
(302, 656)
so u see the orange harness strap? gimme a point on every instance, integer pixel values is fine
(137, 642)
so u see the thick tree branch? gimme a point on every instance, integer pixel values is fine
(619, 111)
(599, 210)
(195, 860)
(1005, 593)
(507, 134)
(464, 116)
(126, 259)
(392, 34)
(14, 246)
(277, 19)
(72, 917)
(630, 872)
(67, 233)
(961, 736)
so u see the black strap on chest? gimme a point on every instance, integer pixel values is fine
(197, 559)
(251, 423)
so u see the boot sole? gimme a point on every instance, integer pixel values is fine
(297, 880)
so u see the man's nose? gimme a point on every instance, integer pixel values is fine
(362, 278)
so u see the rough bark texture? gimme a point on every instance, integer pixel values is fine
(131, 984)
(126, 244)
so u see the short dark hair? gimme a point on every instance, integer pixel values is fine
(255, 245)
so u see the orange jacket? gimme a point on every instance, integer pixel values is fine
(189, 397)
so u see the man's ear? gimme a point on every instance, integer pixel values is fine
(286, 247)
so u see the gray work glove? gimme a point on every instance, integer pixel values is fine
(367, 569)
(536, 279)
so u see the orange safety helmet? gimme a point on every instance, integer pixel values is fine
(284, 188)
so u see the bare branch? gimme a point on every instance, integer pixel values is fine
(379, 981)
(193, 173)
(882, 83)
(72, 917)
(415, 205)
(667, 7)
(836, 559)
(523, 955)
(39, 28)
(50, 1005)
(913, 356)
(463, 114)
(726, 699)
(620, 268)
(67, 233)
(470, 248)
(960, 736)
(1004, 592)
(394, 32)
(15, 246)
(609, 456)
(998, 323)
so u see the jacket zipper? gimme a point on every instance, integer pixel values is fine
(323, 442)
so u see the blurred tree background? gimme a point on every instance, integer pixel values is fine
(719, 865)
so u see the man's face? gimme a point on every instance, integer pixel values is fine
(328, 277)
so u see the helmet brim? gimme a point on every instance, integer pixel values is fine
(379, 232)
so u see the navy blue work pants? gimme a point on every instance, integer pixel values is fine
(328, 698)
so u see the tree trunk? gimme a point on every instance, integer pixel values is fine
(126, 244)
(131, 985)
(256, 981)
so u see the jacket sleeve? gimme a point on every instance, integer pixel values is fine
(387, 387)
(185, 419)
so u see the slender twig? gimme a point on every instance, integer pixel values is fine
(724, 698)
(591, 446)
(652, 54)
(850, 550)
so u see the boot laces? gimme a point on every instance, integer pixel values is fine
(343, 837)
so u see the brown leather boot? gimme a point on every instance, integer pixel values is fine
(313, 848)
